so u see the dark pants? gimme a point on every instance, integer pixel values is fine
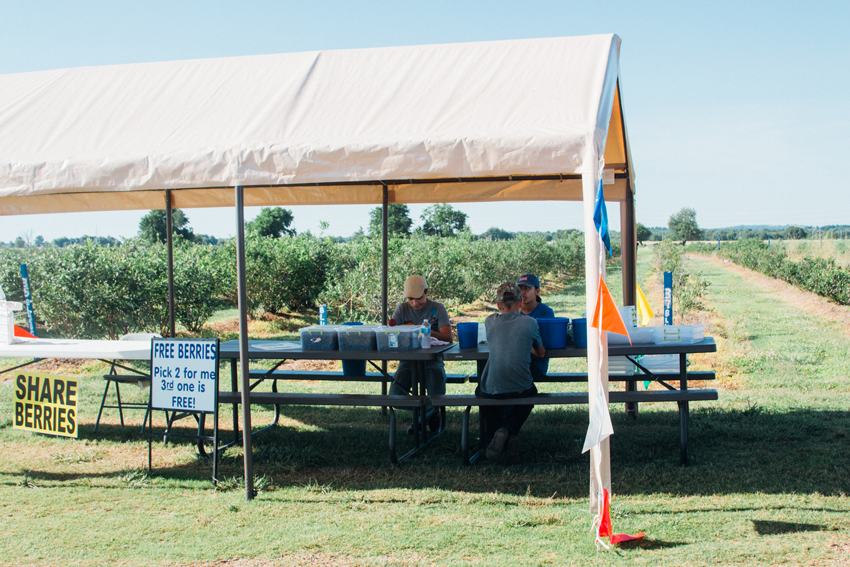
(509, 417)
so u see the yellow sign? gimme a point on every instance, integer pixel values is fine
(46, 404)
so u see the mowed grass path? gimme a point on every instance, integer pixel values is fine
(767, 484)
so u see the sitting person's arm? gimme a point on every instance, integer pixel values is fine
(539, 352)
(444, 334)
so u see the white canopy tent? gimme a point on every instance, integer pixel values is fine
(493, 121)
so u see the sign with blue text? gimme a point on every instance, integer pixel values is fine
(668, 298)
(183, 374)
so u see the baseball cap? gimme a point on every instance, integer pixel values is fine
(528, 279)
(508, 291)
(415, 286)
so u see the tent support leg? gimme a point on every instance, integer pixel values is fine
(170, 245)
(243, 345)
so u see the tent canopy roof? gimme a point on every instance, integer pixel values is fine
(437, 123)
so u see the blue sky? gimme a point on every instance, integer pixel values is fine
(738, 110)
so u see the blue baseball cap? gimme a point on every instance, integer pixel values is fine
(529, 280)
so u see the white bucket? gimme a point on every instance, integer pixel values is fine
(7, 321)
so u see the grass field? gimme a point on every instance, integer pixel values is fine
(767, 483)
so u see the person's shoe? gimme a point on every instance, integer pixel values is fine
(497, 445)
(512, 450)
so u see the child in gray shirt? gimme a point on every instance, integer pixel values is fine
(512, 338)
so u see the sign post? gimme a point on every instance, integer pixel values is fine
(668, 298)
(184, 380)
(28, 299)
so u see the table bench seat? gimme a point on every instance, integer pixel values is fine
(318, 375)
(310, 399)
(351, 400)
(681, 397)
(582, 377)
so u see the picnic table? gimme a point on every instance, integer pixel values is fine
(290, 350)
(681, 395)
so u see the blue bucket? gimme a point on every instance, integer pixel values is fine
(554, 332)
(353, 367)
(467, 335)
(580, 332)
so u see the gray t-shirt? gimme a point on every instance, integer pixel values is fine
(437, 315)
(510, 337)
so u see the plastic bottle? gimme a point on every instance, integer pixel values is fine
(426, 334)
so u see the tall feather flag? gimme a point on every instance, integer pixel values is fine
(606, 317)
(600, 218)
(643, 308)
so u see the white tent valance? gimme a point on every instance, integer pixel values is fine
(316, 127)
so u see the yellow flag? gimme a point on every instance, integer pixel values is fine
(643, 308)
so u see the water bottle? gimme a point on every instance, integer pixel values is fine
(426, 334)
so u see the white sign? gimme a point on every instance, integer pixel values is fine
(183, 374)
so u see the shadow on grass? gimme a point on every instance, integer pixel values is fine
(647, 543)
(750, 451)
(774, 528)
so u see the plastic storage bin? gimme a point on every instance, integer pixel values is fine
(357, 337)
(404, 337)
(553, 331)
(319, 337)
(639, 335)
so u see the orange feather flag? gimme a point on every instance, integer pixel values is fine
(23, 333)
(606, 316)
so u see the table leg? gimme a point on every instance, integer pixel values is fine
(684, 410)
(234, 387)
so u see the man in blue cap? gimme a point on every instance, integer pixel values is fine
(531, 305)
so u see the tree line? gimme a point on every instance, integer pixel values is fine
(683, 226)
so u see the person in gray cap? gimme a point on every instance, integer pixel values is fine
(418, 307)
(529, 285)
(512, 338)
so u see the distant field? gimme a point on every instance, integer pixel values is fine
(838, 250)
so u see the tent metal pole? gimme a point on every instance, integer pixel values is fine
(384, 270)
(243, 345)
(169, 239)
(628, 241)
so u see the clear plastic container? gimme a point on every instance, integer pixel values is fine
(404, 337)
(660, 362)
(320, 337)
(639, 335)
(357, 337)
(689, 334)
(620, 366)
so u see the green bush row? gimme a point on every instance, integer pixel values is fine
(818, 275)
(459, 270)
(90, 291)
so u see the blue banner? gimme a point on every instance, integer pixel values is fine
(668, 298)
(28, 299)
